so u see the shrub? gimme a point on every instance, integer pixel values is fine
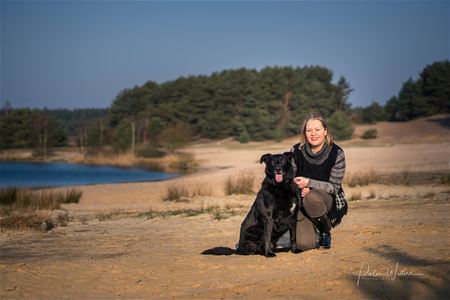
(14, 199)
(37, 220)
(71, 196)
(21, 221)
(340, 125)
(122, 136)
(150, 152)
(201, 190)
(176, 193)
(278, 135)
(184, 162)
(175, 136)
(373, 113)
(362, 178)
(371, 195)
(240, 184)
(244, 137)
(8, 196)
(445, 179)
(355, 196)
(214, 211)
(370, 133)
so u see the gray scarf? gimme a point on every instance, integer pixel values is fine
(316, 158)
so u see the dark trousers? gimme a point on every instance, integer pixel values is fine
(315, 204)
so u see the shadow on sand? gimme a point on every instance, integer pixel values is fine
(414, 277)
(444, 121)
(221, 251)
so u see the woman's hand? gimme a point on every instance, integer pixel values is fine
(302, 182)
(305, 192)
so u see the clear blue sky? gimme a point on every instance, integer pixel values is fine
(81, 54)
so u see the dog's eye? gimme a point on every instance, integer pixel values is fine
(273, 163)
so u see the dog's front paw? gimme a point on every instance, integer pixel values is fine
(270, 254)
(240, 251)
(294, 249)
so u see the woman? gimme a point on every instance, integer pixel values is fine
(320, 170)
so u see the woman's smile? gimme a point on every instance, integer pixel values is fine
(315, 134)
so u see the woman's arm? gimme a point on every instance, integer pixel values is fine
(337, 175)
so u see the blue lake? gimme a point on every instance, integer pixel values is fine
(20, 174)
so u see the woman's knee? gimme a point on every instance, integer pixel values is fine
(315, 204)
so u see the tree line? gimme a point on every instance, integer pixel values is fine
(42, 129)
(246, 104)
(426, 96)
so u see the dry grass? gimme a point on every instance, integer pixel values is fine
(361, 178)
(405, 177)
(215, 211)
(181, 192)
(15, 199)
(371, 195)
(24, 208)
(201, 190)
(23, 221)
(177, 193)
(445, 179)
(15, 155)
(178, 162)
(370, 133)
(43, 220)
(242, 183)
(355, 196)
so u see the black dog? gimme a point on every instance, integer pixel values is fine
(275, 209)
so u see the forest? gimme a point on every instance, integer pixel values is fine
(246, 104)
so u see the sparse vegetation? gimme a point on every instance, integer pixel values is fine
(189, 212)
(355, 196)
(176, 193)
(23, 221)
(183, 162)
(71, 196)
(175, 162)
(340, 125)
(389, 196)
(201, 190)
(223, 214)
(428, 195)
(370, 133)
(363, 178)
(101, 216)
(150, 152)
(445, 179)
(15, 199)
(240, 184)
(216, 212)
(180, 192)
(372, 194)
(24, 208)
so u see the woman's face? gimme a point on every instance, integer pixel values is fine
(315, 133)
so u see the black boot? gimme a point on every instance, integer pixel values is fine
(323, 224)
(325, 240)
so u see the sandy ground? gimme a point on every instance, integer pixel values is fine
(392, 246)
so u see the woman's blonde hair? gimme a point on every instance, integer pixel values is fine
(315, 116)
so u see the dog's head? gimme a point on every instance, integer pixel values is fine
(279, 167)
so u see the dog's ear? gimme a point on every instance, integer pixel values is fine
(265, 158)
(289, 155)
